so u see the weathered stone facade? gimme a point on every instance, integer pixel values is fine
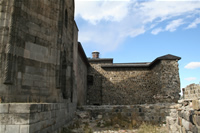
(36, 50)
(35, 117)
(152, 113)
(191, 91)
(39, 65)
(133, 83)
(81, 76)
(45, 74)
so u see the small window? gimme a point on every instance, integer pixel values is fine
(90, 80)
(66, 18)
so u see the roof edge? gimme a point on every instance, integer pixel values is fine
(164, 57)
(83, 55)
(141, 65)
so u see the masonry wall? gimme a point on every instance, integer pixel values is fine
(36, 50)
(134, 85)
(95, 91)
(131, 114)
(37, 74)
(35, 118)
(165, 76)
(191, 91)
(82, 82)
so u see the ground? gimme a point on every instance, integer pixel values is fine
(84, 123)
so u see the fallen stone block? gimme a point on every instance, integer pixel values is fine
(196, 104)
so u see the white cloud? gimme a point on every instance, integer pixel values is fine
(109, 22)
(156, 31)
(173, 25)
(136, 32)
(193, 65)
(95, 11)
(194, 24)
(163, 10)
(190, 78)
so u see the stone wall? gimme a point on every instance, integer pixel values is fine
(165, 75)
(136, 83)
(36, 50)
(38, 60)
(187, 119)
(81, 76)
(35, 118)
(150, 113)
(191, 91)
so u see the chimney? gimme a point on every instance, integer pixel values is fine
(95, 55)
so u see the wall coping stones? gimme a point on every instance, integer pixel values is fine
(100, 60)
(18, 108)
(138, 65)
(160, 105)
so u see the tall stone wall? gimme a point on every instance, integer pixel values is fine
(38, 85)
(82, 69)
(36, 50)
(127, 84)
(95, 80)
(165, 75)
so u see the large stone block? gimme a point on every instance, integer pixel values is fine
(20, 119)
(35, 127)
(12, 129)
(196, 120)
(24, 128)
(196, 104)
(23, 108)
(186, 124)
(4, 108)
(6, 119)
(2, 128)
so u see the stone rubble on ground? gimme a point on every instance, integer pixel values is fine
(93, 121)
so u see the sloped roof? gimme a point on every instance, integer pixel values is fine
(168, 57)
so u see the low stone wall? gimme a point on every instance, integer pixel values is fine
(152, 113)
(34, 118)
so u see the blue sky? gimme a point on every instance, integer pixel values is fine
(140, 31)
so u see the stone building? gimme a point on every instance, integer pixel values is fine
(45, 74)
(133, 83)
(40, 63)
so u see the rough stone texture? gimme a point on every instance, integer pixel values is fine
(133, 84)
(36, 50)
(34, 118)
(38, 65)
(43, 72)
(191, 91)
(82, 76)
(152, 113)
(187, 119)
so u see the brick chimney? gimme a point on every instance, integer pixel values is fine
(95, 55)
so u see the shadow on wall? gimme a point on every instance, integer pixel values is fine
(133, 85)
